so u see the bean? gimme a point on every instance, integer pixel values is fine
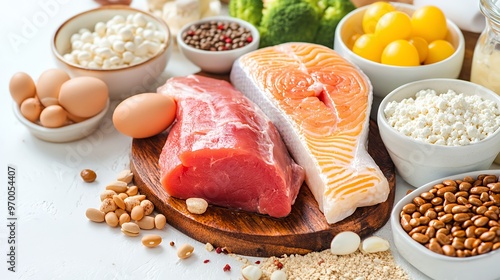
(442, 238)
(446, 218)
(437, 224)
(405, 223)
(479, 190)
(409, 208)
(107, 194)
(420, 237)
(462, 194)
(132, 190)
(494, 187)
(435, 247)
(481, 221)
(119, 201)
(487, 236)
(489, 179)
(414, 222)
(418, 201)
(460, 209)
(480, 231)
(431, 214)
(124, 218)
(130, 229)
(485, 247)
(111, 219)
(470, 231)
(457, 243)
(465, 186)
(151, 240)
(137, 213)
(125, 176)
(427, 195)
(450, 189)
(108, 205)
(185, 251)
(430, 231)
(148, 207)
(491, 215)
(437, 201)
(496, 246)
(88, 175)
(117, 186)
(449, 197)
(461, 217)
(160, 221)
(419, 229)
(475, 201)
(95, 215)
(424, 207)
(448, 250)
(147, 222)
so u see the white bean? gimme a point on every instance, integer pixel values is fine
(374, 244)
(251, 272)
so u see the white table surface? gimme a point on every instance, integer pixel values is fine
(54, 238)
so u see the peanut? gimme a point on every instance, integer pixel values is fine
(88, 175)
(111, 219)
(108, 205)
(160, 221)
(151, 240)
(125, 176)
(95, 215)
(130, 229)
(147, 222)
(148, 207)
(130, 203)
(107, 194)
(137, 213)
(185, 251)
(132, 190)
(124, 218)
(117, 186)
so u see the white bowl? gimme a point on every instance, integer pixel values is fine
(385, 78)
(217, 62)
(63, 134)
(122, 82)
(418, 162)
(437, 266)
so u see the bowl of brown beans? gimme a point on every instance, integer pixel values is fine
(214, 43)
(450, 227)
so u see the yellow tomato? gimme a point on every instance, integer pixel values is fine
(429, 22)
(422, 47)
(393, 26)
(400, 53)
(369, 47)
(350, 41)
(439, 50)
(373, 13)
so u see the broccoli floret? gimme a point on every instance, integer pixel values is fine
(247, 10)
(334, 11)
(288, 21)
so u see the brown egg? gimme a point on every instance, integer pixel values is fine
(84, 97)
(21, 87)
(49, 85)
(31, 109)
(53, 116)
(144, 115)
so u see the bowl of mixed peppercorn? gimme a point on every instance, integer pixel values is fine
(214, 43)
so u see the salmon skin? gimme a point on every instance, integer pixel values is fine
(320, 104)
(224, 149)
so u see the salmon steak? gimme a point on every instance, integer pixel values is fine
(321, 105)
(224, 149)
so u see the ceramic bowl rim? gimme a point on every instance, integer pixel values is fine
(160, 22)
(66, 128)
(382, 120)
(456, 30)
(253, 29)
(419, 247)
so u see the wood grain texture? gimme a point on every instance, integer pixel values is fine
(303, 231)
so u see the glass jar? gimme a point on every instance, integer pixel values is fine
(486, 59)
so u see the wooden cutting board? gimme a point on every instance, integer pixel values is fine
(244, 233)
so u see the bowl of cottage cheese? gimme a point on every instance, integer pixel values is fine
(439, 127)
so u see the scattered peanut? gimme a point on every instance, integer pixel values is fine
(130, 229)
(251, 272)
(132, 190)
(111, 219)
(117, 186)
(108, 205)
(125, 176)
(185, 251)
(123, 196)
(137, 213)
(124, 218)
(119, 201)
(160, 221)
(130, 203)
(95, 215)
(139, 197)
(196, 205)
(88, 175)
(107, 194)
(147, 222)
(151, 240)
(119, 212)
(148, 207)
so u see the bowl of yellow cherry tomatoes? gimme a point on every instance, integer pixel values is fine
(397, 43)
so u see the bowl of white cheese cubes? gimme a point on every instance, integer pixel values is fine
(125, 47)
(434, 128)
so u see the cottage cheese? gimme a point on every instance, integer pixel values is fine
(449, 119)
